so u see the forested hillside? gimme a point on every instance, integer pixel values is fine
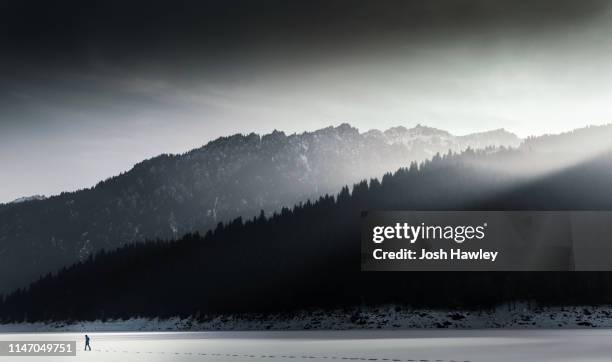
(234, 176)
(309, 256)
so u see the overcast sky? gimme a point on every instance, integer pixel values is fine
(88, 88)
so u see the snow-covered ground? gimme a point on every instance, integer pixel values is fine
(500, 345)
(387, 317)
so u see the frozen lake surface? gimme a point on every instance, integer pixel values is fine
(415, 345)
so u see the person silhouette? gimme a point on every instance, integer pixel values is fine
(87, 343)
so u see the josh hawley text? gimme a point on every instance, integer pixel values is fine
(452, 254)
(414, 233)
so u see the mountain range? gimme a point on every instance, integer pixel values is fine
(308, 257)
(239, 175)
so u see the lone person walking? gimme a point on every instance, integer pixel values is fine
(87, 343)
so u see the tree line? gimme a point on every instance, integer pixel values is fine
(308, 256)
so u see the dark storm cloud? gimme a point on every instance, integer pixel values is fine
(70, 32)
(101, 85)
(72, 48)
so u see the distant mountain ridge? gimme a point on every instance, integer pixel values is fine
(423, 136)
(307, 257)
(239, 175)
(28, 198)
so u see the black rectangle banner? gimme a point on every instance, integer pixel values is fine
(486, 241)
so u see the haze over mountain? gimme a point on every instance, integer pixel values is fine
(233, 176)
(308, 257)
(100, 87)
